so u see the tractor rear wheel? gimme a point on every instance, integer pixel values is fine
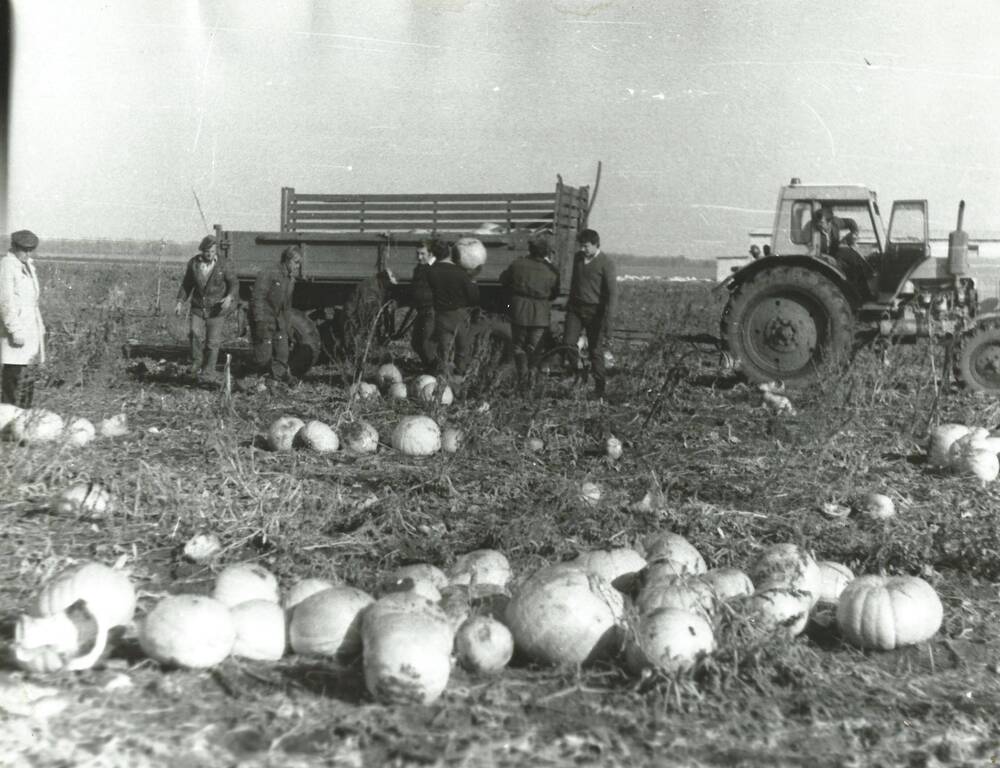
(977, 364)
(786, 321)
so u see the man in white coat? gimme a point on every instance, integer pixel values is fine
(22, 332)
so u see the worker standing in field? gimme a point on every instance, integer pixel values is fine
(271, 315)
(211, 287)
(533, 282)
(429, 252)
(593, 299)
(455, 294)
(22, 332)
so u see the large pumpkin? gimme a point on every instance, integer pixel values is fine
(35, 425)
(669, 639)
(887, 612)
(328, 623)
(109, 593)
(564, 615)
(281, 433)
(471, 253)
(360, 437)
(317, 436)
(188, 631)
(619, 567)
(407, 642)
(481, 567)
(941, 439)
(728, 583)
(417, 436)
(260, 630)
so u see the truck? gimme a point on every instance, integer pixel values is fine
(359, 251)
(798, 309)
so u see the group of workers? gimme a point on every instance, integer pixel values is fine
(443, 292)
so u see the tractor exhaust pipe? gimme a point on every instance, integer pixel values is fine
(958, 247)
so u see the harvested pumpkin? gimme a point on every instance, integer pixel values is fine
(787, 566)
(407, 643)
(240, 582)
(188, 631)
(417, 436)
(281, 433)
(669, 639)
(108, 592)
(483, 645)
(317, 436)
(887, 612)
(563, 615)
(674, 552)
(328, 623)
(260, 630)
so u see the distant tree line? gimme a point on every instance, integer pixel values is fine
(108, 247)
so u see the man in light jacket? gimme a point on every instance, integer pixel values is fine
(211, 286)
(22, 332)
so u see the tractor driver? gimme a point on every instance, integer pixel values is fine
(829, 229)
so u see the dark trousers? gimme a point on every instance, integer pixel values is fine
(270, 350)
(526, 339)
(17, 385)
(589, 319)
(452, 335)
(205, 335)
(422, 339)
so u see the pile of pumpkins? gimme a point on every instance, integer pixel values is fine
(414, 435)
(969, 451)
(389, 384)
(39, 425)
(658, 611)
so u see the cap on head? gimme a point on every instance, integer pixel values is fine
(206, 242)
(24, 240)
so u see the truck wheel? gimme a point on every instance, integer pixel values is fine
(305, 344)
(784, 322)
(977, 365)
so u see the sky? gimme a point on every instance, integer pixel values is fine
(123, 110)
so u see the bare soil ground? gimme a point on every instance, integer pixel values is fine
(728, 474)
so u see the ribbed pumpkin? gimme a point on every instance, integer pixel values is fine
(564, 615)
(317, 436)
(260, 630)
(887, 612)
(407, 643)
(417, 436)
(240, 582)
(281, 433)
(108, 592)
(188, 631)
(669, 639)
(328, 623)
(68, 640)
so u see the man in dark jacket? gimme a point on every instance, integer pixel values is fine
(211, 287)
(270, 314)
(593, 299)
(533, 283)
(429, 252)
(455, 294)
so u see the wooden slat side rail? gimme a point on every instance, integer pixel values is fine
(406, 226)
(444, 198)
(541, 205)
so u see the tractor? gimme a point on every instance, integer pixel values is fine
(815, 299)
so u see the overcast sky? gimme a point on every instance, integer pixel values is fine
(699, 110)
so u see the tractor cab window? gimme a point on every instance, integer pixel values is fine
(845, 213)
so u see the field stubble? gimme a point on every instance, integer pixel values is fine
(728, 475)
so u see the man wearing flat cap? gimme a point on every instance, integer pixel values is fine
(22, 332)
(211, 286)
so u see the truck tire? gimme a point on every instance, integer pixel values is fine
(784, 322)
(305, 344)
(977, 364)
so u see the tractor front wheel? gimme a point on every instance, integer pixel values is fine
(784, 322)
